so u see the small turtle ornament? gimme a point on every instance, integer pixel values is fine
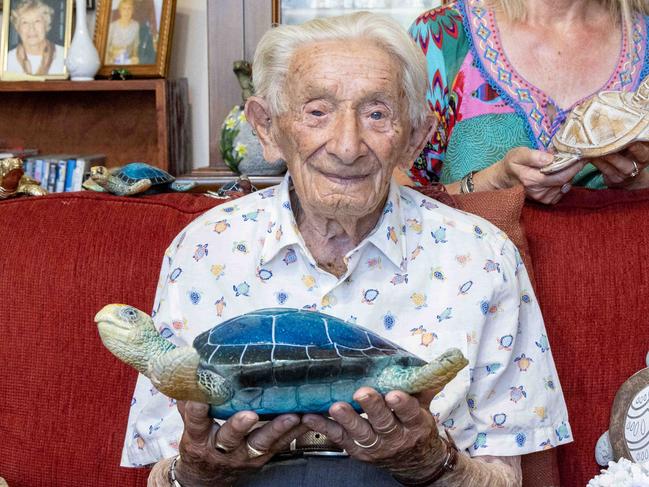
(133, 178)
(603, 124)
(13, 181)
(271, 361)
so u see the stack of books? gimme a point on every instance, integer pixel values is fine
(59, 173)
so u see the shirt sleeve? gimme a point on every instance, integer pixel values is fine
(515, 402)
(154, 424)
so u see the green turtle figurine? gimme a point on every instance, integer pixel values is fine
(272, 361)
(133, 178)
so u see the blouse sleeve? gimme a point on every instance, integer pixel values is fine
(440, 35)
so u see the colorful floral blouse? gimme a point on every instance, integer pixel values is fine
(484, 107)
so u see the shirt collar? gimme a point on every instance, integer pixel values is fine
(389, 235)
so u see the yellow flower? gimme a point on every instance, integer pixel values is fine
(230, 123)
(240, 149)
(242, 117)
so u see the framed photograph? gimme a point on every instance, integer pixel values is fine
(629, 428)
(298, 11)
(135, 35)
(35, 39)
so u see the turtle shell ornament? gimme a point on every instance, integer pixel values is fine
(603, 124)
(271, 361)
(133, 178)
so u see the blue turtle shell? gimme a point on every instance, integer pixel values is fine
(136, 171)
(282, 360)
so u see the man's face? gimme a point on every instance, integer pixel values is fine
(346, 127)
(31, 28)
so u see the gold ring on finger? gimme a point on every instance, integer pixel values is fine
(635, 171)
(221, 448)
(253, 452)
(387, 432)
(376, 440)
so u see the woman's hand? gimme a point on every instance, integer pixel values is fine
(625, 169)
(522, 166)
(213, 455)
(399, 434)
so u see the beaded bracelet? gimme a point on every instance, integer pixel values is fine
(448, 465)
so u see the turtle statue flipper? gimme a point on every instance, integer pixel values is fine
(432, 376)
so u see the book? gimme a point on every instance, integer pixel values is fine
(70, 166)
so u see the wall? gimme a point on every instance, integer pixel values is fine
(189, 60)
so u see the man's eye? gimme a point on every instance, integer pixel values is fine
(317, 113)
(376, 115)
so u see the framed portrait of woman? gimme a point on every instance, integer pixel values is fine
(35, 39)
(135, 35)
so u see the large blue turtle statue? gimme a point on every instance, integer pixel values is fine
(271, 361)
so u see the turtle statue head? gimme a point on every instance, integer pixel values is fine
(123, 329)
(99, 174)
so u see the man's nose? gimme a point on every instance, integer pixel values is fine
(346, 142)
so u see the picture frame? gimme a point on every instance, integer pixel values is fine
(143, 49)
(38, 49)
(629, 425)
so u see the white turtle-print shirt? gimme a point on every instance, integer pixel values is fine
(429, 277)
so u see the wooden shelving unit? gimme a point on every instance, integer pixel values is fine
(134, 120)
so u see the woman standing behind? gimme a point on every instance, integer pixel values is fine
(124, 36)
(503, 76)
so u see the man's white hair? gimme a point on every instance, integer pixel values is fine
(277, 46)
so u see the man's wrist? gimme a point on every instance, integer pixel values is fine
(427, 475)
(180, 476)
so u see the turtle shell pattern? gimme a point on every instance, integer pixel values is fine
(136, 171)
(282, 360)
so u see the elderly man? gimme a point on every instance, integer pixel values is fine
(343, 102)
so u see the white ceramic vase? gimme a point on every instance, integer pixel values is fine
(82, 60)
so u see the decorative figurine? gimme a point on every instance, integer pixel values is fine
(605, 123)
(134, 178)
(239, 187)
(14, 182)
(239, 146)
(271, 361)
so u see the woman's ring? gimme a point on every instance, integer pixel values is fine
(635, 171)
(253, 452)
(376, 440)
(565, 188)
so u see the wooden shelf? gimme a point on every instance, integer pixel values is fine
(135, 120)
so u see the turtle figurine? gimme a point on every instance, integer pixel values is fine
(133, 178)
(13, 180)
(603, 124)
(271, 361)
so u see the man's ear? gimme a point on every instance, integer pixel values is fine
(418, 139)
(258, 114)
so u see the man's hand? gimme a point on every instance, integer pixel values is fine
(398, 434)
(213, 455)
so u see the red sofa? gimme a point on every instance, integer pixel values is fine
(64, 399)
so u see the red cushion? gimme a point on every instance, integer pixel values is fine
(589, 255)
(63, 396)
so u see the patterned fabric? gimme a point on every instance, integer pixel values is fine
(484, 106)
(428, 277)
